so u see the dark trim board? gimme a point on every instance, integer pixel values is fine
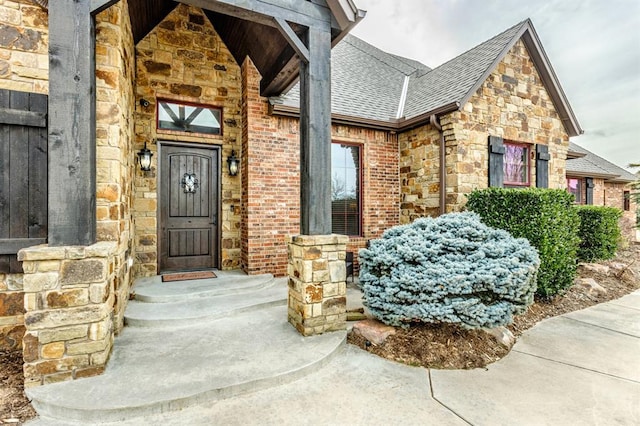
(72, 124)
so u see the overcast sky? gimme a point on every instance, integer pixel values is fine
(593, 46)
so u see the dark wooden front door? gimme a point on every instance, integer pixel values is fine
(189, 205)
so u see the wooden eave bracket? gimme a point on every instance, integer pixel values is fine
(98, 6)
(293, 39)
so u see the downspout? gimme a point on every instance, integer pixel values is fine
(435, 122)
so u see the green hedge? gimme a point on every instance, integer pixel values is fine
(599, 232)
(546, 218)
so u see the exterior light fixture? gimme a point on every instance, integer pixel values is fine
(144, 158)
(234, 164)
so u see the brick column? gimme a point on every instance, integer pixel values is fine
(317, 283)
(69, 302)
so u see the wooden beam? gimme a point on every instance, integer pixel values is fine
(72, 145)
(98, 6)
(293, 39)
(315, 135)
(12, 245)
(263, 11)
(23, 118)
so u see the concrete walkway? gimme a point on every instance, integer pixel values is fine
(581, 368)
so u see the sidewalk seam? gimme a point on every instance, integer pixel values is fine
(433, 396)
(577, 366)
(622, 306)
(601, 327)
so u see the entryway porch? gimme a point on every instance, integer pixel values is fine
(187, 342)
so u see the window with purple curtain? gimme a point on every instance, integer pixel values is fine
(574, 186)
(516, 164)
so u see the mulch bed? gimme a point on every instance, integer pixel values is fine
(14, 405)
(451, 347)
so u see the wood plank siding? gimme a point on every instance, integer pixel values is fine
(23, 174)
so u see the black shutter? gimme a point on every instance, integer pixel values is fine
(590, 186)
(23, 174)
(542, 166)
(496, 161)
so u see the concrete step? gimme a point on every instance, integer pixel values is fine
(153, 290)
(154, 370)
(206, 307)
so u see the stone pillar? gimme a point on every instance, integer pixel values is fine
(11, 311)
(317, 283)
(69, 302)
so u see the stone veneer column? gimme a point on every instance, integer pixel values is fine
(69, 302)
(317, 283)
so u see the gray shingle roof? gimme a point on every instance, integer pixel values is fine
(365, 81)
(576, 150)
(593, 165)
(453, 80)
(368, 83)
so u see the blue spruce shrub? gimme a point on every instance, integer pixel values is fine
(453, 269)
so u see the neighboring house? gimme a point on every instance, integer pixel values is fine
(596, 181)
(206, 90)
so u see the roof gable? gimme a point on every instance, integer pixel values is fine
(452, 84)
(369, 84)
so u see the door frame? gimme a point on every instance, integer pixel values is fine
(218, 199)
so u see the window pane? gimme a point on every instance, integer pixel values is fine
(516, 164)
(345, 189)
(188, 118)
(574, 186)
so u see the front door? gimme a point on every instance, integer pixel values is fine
(189, 204)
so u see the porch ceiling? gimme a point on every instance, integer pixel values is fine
(268, 49)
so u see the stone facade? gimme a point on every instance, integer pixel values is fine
(24, 44)
(24, 67)
(52, 297)
(70, 299)
(115, 157)
(184, 60)
(513, 104)
(317, 287)
(11, 311)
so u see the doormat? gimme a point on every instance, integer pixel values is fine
(185, 276)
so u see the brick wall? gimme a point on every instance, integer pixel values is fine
(184, 60)
(271, 183)
(598, 192)
(613, 196)
(270, 180)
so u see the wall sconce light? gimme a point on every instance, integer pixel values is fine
(234, 164)
(144, 158)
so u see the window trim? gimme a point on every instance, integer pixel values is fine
(507, 184)
(361, 191)
(160, 130)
